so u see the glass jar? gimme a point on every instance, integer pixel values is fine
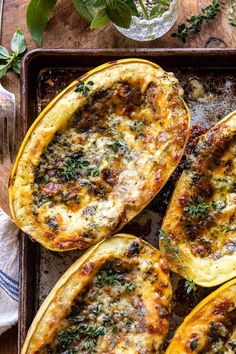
(142, 29)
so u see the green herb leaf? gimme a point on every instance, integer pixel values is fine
(193, 344)
(100, 19)
(129, 286)
(117, 145)
(200, 208)
(190, 286)
(4, 54)
(96, 172)
(132, 7)
(37, 16)
(119, 13)
(195, 22)
(3, 69)
(18, 42)
(138, 126)
(169, 246)
(13, 60)
(84, 87)
(84, 10)
(16, 65)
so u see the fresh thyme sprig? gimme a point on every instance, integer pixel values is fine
(200, 208)
(190, 286)
(168, 245)
(173, 250)
(195, 22)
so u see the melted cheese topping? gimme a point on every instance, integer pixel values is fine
(201, 220)
(94, 161)
(211, 327)
(116, 299)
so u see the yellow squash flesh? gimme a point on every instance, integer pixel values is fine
(196, 332)
(126, 129)
(198, 231)
(145, 304)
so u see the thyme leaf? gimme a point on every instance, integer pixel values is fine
(200, 208)
(117, 144)
(138, 126)
(168, 245)
(84, 87)
(129, 286)
(190, 286)
(194, 24)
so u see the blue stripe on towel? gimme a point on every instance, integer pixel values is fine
(9, 286)
(6, 278)
(9, 278)
(12, 295)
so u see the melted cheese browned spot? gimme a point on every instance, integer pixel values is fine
(93, 162)
(201, 219)
(117, 301)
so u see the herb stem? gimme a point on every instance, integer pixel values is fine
(144, 10)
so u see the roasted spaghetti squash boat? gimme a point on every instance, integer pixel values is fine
(98, 153)
(210, 327)
(116, 298)
(198, 235)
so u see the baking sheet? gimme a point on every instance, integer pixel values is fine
(209, 91)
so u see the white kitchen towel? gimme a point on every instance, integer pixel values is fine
(8, 272)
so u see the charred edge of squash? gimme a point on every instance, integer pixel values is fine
(172, 346)
(66, 276)
(70, 87)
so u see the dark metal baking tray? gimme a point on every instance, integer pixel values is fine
(46, 71)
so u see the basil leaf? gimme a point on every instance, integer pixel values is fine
(157, 11)
(16, 66)
(96, 3)
(4, 54)
(119, 13)
(3, 69)
(132, 7)
(18, 43)
(37, 15)
(84, 10)
(100, 19)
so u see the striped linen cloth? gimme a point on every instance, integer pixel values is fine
(8, 272)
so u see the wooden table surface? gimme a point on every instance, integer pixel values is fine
(67, 30)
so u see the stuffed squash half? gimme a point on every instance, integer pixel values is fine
(198, 234)
(116, 298)
(98, 153)
(210, 327)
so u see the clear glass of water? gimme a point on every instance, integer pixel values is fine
(142, 29)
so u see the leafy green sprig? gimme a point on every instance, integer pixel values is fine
(84, 87)
(190, 286)
(174, 253)
(168, 245)
(97, 12)
(13, 61)
(111, 277)
(194, 24)
(200, 208)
